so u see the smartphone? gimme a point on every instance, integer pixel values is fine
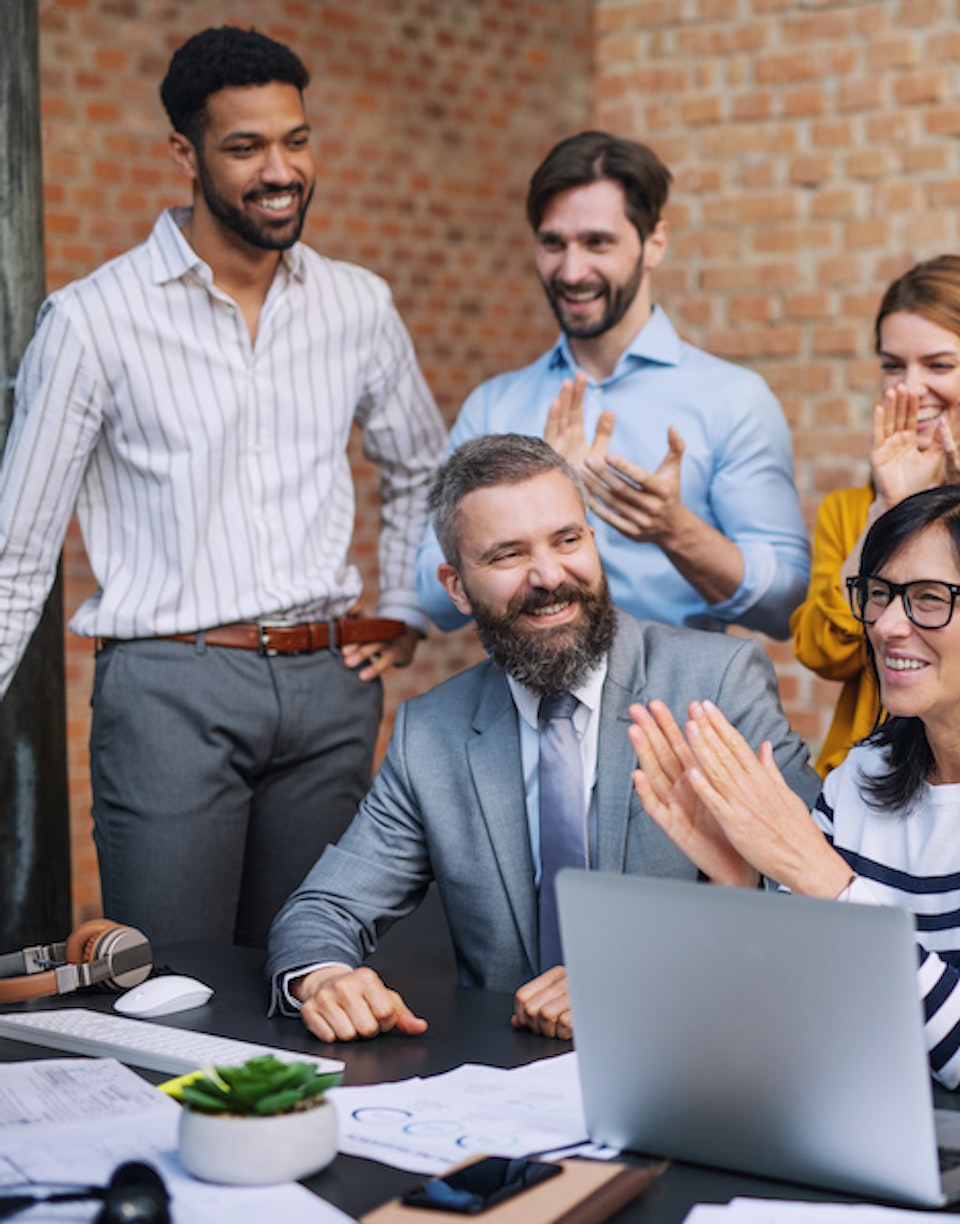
(481, 1185)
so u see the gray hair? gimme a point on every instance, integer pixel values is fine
(495, 459)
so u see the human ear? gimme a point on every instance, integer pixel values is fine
(451, 582)
(183, 155)
(655, 245)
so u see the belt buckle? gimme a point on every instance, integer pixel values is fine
(264, 626)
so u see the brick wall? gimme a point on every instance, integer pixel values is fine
(428, 116)
(814, 146)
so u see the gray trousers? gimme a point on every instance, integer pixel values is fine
(219, 775)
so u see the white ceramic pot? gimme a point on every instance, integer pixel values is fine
(251, 1151)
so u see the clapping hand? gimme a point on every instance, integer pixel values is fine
(726, 807)
(644, 505)
(665, 785)
(564, 429)
(900, 467)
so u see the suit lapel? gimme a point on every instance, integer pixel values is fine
(497, 775)
(616, 760)
(497, 772)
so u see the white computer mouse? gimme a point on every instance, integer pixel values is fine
(159, 996)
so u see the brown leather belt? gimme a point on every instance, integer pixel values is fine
(278, 637)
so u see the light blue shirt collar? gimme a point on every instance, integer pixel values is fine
(656, 343)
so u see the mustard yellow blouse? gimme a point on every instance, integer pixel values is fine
(827, 637)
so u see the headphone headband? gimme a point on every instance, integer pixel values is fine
(32, 960)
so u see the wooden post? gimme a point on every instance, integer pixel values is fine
(35, 901)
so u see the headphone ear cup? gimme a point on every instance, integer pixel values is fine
(82, 944)
(123, 950)
(136, 1195)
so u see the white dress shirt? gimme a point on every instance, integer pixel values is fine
(210, 475)
(586, 723)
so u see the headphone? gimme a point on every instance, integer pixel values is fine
(97, 953)
(135, 1194)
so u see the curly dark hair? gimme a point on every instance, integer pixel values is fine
(219, 58)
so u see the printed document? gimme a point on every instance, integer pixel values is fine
(74, 1120)
(426, 1125)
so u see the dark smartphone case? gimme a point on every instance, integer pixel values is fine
(586, 1192)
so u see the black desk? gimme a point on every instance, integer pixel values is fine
(465, 1026)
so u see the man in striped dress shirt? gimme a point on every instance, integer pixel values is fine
(193, 399)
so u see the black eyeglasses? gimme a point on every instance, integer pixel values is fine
(929, 604)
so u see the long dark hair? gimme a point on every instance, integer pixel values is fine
(904, 739)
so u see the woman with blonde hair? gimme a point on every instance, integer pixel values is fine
(915, 432)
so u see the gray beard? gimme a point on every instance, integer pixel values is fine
(553, 660)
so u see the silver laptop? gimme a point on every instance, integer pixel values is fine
(772, 1034)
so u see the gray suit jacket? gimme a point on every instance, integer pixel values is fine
(448, 805)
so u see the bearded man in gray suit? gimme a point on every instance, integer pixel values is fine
(457, 797)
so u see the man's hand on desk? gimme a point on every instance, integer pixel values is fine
(341, 1004)
(543, 1005)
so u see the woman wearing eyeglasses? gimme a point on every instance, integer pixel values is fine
(884, 830)
(915, 431)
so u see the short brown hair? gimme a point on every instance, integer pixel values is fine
(592, 157)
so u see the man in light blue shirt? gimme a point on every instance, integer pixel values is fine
(689, 473)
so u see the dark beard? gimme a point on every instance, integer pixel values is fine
(554, 660)
(263, 237)
(618, 302)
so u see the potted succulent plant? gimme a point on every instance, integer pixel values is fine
(265, 1121)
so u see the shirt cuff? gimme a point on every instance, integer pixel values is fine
(760, 565)
(284, 984)
(396, 607)
(863, 892)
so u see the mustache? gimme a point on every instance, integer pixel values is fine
(595, 286)
(533, 601)
(550, 659)
(274, 189)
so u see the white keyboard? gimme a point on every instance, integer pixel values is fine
(174, 1051)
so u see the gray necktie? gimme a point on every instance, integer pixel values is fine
(563, 816)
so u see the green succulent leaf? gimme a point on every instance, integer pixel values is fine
(203, 1094)
(278, 1102)
(261, 1086)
